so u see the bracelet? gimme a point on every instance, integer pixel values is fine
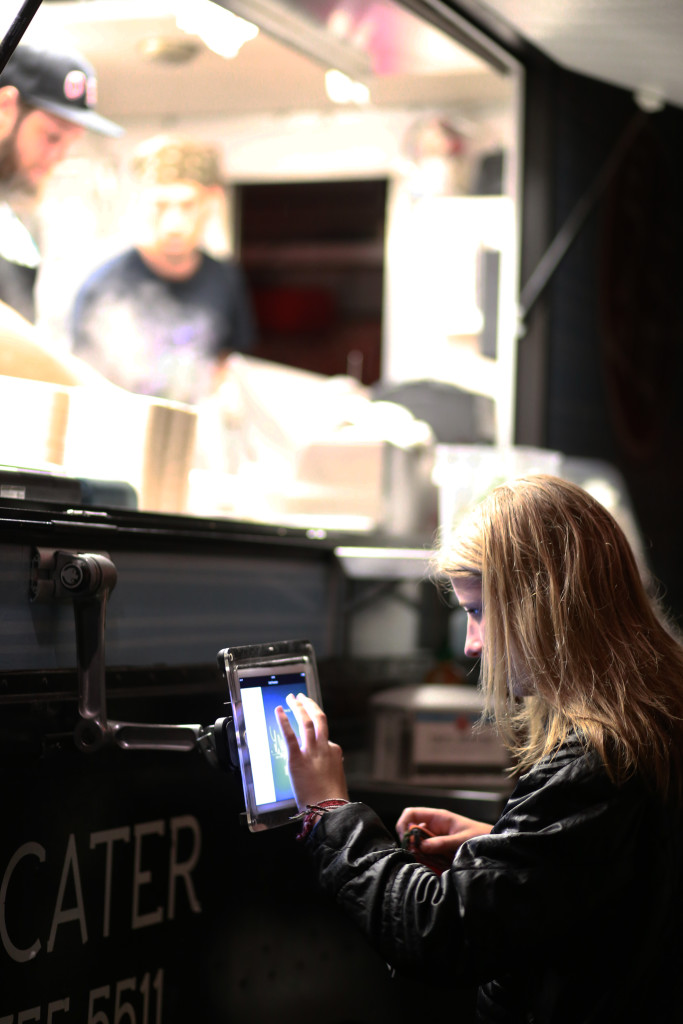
(309, 817)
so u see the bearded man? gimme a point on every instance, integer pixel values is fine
(47, 101)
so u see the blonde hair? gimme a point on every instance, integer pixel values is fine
(573, 642)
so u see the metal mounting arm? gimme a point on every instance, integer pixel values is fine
(87, 579)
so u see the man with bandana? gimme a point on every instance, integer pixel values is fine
(47, 101)
(160, 318)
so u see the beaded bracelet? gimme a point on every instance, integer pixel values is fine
(310, 816)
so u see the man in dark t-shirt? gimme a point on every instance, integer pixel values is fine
(160, 318)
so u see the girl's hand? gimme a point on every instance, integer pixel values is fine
(315, 765)
(449, 830)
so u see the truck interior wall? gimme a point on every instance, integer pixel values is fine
(602, 363)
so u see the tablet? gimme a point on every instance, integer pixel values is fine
(259, 678)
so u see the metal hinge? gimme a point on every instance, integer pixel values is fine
(87, 580)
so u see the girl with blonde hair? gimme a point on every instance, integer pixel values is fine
(567, 910)
(571, 628)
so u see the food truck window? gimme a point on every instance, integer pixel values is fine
(389, 131)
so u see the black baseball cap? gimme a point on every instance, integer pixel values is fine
(63, 84)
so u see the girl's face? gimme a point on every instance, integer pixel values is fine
(468, 593)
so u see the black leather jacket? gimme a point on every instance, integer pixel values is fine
(568, 913)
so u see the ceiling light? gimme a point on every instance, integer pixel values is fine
(342, 89)
(650, 100)
(222, 31)
(302, 33)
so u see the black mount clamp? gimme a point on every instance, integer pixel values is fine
(87, 580)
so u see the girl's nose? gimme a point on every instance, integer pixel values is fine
(473, 642)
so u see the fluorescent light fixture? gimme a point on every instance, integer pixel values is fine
(222, 31)
(281, 21)
(342, 89)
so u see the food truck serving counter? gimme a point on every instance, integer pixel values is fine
(130, 890)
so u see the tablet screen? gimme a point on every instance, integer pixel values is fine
(259, 678)
(261, 694)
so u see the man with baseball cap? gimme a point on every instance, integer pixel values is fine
(47, 101)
